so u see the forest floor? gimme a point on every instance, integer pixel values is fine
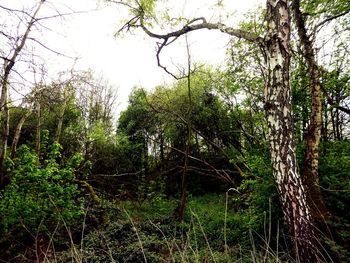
(146, 231)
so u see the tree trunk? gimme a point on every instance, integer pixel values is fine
(18, 132)
(312, 137)
(184, 183)
(280, 126)
(5, 116)
(8, 65)
(5, 131)
(61, 115)
(184, 180)
(38, 130)
(338, 135)
(324, 131)
(161, 146)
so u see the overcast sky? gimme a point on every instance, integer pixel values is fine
(130, 60)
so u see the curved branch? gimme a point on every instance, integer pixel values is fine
(193, 26)
(190, 26)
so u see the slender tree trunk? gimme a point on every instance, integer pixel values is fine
(184, 181)
(5, 114)
(8, 65)
(280, 126)
(61, 115)
(333, 124)
(324, 131)
(5, 131)
(38, 130)
(337, 125)
(312, 137)
(161, 147)
(18, 132)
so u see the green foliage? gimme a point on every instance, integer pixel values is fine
(300, 93)
(200, 238)
(147, 5)
(40, 199)
(209, 211)
(155, 207)
(335, 175)
(335, 184)
(326, 7)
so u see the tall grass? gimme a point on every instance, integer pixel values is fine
(190, 241)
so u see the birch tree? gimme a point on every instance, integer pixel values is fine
(276, 52)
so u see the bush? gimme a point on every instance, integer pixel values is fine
(39, 199)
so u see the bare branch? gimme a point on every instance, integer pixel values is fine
(9, 63)
(64, 14)
(327, 20)
(122, 3)
(190, 26)
(11, 10)
(119, 175)
(50, 49)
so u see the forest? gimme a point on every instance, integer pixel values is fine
(247, 161)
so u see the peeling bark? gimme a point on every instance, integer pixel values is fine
(313, 134)
(281, 137)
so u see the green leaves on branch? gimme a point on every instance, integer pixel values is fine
(147, 6)
(40, 198)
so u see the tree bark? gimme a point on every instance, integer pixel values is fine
(184, 180)
(313, 134)
(280, 126)
(61, 115)
(38, 130)
(5, 115)
(18, 132)
(324, 130)
(184, 183)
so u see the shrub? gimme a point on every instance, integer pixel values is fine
(38, 199)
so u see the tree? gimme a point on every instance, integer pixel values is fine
(9, 62)
(18, 52)
(96, 100)
(275, 48)
(313, 133)
(18, 129)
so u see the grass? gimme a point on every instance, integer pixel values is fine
(145, 232)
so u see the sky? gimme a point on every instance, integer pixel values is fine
(129, 60)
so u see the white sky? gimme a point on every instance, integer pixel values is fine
(130, 60)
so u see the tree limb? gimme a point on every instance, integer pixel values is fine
(192, 26)
(329, 19)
